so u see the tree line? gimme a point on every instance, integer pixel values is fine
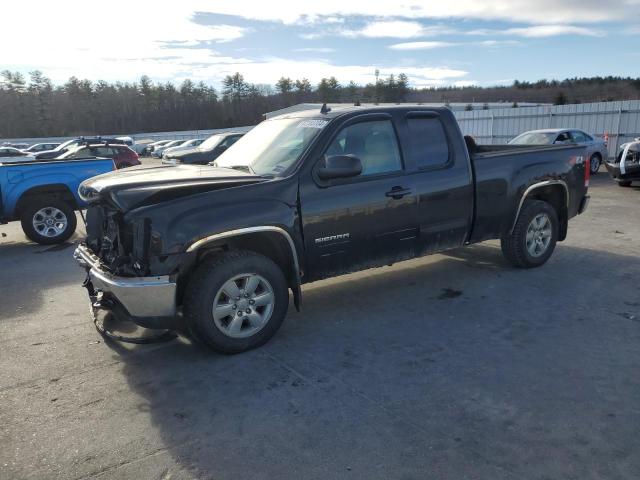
(38, 108)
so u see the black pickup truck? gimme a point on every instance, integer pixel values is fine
(310, 195)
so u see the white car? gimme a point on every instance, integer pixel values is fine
(10, 154)
(158, 150)
(188, 145)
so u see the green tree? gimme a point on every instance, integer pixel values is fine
(560, 98)
(284, 86)
(234, 87)
(303, 86)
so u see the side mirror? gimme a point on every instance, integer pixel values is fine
(340, 166)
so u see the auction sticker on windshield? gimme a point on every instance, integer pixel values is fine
(313, 123)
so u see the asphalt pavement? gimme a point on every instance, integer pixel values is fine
(454, 366)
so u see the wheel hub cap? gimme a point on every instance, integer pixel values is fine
(538, 235)
(49, 222)
(243, 305)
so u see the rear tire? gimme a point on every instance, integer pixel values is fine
(534, 236)
(625, 183)
(594, 163)
(232, 324)
(48, 221)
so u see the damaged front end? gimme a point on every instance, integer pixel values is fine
(135, 250)
(115, 256)
(625, 167)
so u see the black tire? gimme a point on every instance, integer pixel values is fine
(624, 183)
(594, 163)
(30, 210)
(514, 246)
(209, 278)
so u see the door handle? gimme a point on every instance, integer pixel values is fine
(398, 192)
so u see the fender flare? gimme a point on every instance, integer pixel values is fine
(297, 294)
(533, 187)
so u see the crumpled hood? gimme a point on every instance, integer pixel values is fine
(132, 187)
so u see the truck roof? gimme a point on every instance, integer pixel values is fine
(338, 111)
(552, 130)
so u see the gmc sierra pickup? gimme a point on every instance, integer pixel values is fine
(310, 195)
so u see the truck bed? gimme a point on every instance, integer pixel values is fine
(503, 173)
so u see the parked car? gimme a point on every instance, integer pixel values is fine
(311, 195)
(43, 195)
(596, 148)
(188, 145)
(153, 145)
(11, 152)
(64, 147)
(19, 146)
(141, 147)
(158, 149)
(625, 167)
(206, 152)
(40, 147)
(128, 141)
(121, 155)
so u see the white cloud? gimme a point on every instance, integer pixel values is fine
(420, 45)
(542, 11)
(315, 49)
(496, 43)
(270, 70)
(434, 45)
(541, 31)
(393, 29)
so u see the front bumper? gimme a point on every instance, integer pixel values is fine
(148, 301)
(632, 171)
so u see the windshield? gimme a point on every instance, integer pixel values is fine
(64, 145)
(273, 146)
(534, 138)
(211, 142)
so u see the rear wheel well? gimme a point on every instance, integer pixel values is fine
(272, 245)
(556, 196)
(57, 191)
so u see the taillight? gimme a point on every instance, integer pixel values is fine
(587, 171)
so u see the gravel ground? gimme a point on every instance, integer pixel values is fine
(453, 366)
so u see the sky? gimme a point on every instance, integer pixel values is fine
(434, 42)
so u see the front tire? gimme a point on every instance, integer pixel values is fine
(534, 236)
(236, 301)
(624, 183)
(48, 221)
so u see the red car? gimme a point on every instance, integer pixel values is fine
(121, 155)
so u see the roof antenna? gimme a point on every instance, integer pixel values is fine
(324, 108)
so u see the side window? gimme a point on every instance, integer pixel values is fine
(429, 146)
(562, 137)
(374, 143)
(578, 136)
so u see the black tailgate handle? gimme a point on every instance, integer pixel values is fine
(398, 192)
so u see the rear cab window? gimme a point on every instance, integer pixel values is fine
(428, 145)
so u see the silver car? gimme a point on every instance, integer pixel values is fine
(596, 148)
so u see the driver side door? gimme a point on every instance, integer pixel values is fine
(368, 220)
